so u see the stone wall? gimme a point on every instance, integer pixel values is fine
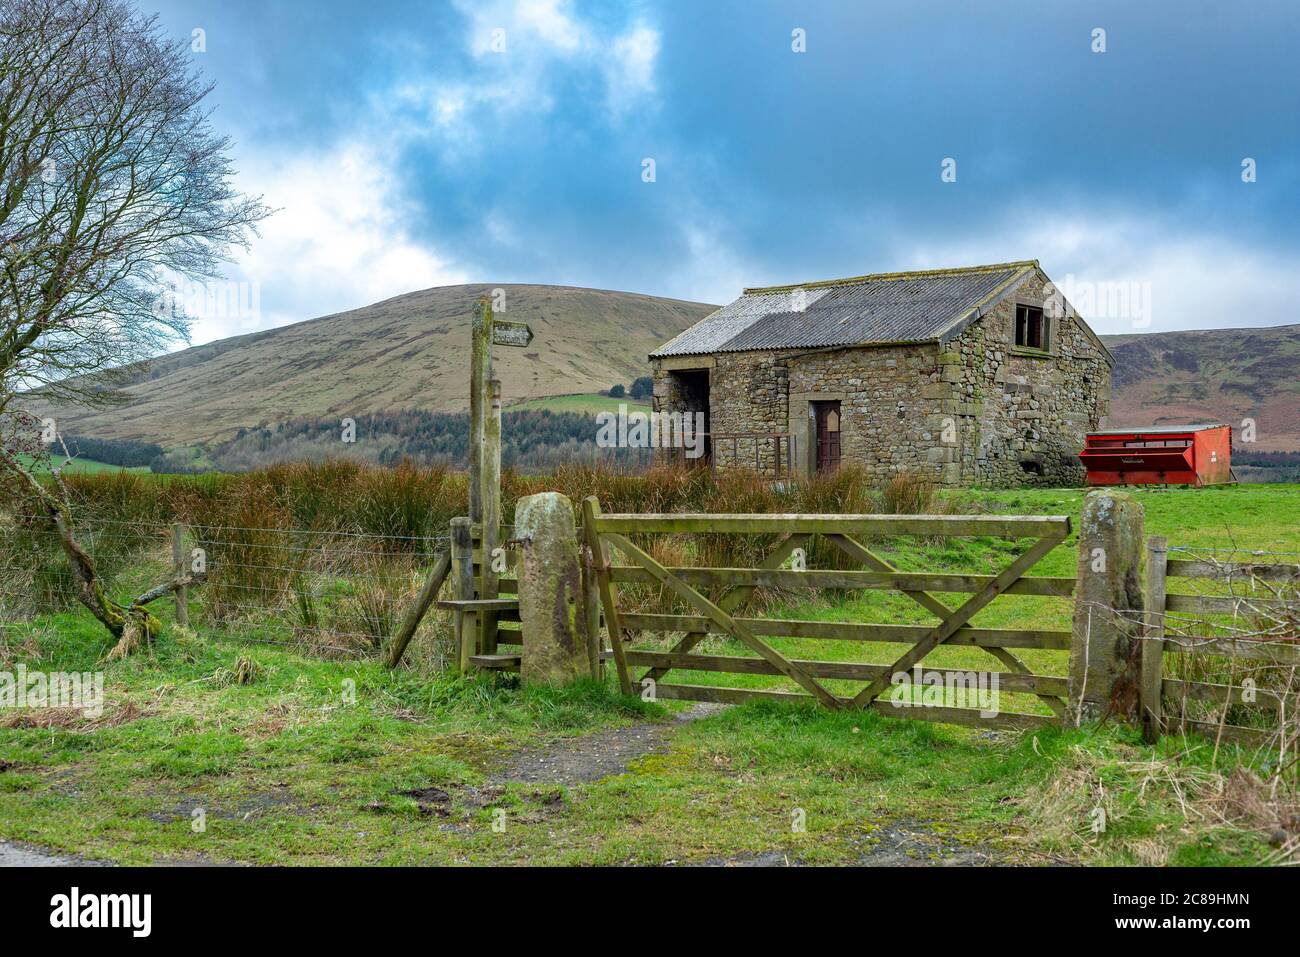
(748, 392)
(890, 407)
(1024, 415)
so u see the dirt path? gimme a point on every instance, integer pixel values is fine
(25, 855)
(905, 844)
(594, 756)
(583, 760)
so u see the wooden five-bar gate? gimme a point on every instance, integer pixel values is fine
(610, 536)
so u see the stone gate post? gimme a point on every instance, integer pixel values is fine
(551, 607)
(1108, 609)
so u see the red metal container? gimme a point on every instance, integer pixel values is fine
(1160, 455)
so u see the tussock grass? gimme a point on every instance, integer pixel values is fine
(413, 501)
(276, 537)
(1109, 800)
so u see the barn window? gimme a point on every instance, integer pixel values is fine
(1031, 328)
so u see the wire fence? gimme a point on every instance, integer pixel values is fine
(343, 592)
(325, 591)
(1230, 622)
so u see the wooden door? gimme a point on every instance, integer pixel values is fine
(828, 435)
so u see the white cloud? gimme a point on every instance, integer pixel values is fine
(549, 20)
(630, 72)
(711, 270)
(1193, 280)
(339, 241)
(519, 48)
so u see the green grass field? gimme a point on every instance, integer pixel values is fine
(341, 761)
(83, 466)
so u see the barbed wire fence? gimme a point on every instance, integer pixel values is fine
(1252, 612)
(327, 592)
(342, 592)
(1229, 624)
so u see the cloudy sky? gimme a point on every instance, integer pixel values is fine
(420, 143)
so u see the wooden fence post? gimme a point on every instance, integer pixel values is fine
(1108, 609)
(181, 567)
(608, 598)
(462, 560)
(417, 612)
(1153, 640)
(490, 501)
(480, 375)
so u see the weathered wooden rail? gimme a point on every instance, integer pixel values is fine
(715, 599)
(1156, 690)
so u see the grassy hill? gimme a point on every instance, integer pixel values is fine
(404, 353)
(1218, 374)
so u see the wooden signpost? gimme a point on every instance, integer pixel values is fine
(485, 444)
(484, 498)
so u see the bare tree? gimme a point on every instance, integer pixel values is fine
(131, 624)
(113, 187)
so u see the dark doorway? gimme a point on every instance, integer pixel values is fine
(693, 396)
(828, 435)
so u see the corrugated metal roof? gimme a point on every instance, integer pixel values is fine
(887, 307)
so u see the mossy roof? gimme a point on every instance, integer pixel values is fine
(895, 307)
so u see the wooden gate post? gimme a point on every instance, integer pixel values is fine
(181, 567)
(552, 611)
(1108, 609)
(591, 605)
(1153, 640)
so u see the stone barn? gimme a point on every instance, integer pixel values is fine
(980, 375)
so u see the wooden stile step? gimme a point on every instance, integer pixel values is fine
(498, 662)
(511, 662)
(481, 604)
